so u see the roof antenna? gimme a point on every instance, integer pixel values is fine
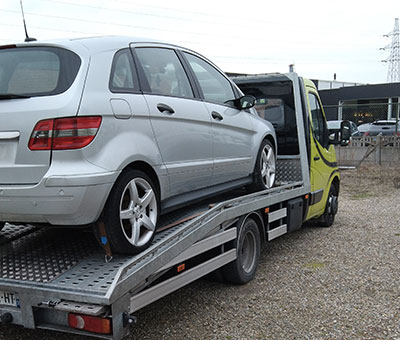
(27, 38)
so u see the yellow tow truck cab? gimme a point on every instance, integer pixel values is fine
(293, 106)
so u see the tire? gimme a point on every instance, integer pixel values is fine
(264, 171)
(131, 213)
(331, 208)
(248, 246)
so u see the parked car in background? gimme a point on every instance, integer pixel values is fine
(121, 129)
(363, 128)
(384, 128)
(334, 126)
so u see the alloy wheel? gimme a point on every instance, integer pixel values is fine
(138, 212)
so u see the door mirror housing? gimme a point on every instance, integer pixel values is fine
(341, 137)
(243, 103)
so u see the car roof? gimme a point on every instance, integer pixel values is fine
(96, 44)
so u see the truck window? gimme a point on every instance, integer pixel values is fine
(318, 120)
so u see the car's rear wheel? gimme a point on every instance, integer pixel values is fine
(131, 213)
(331, 208)
(264, 172)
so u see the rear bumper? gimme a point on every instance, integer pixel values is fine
(58, 200)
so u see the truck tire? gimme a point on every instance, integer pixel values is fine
(264, 171)
(131, 213)
(248, 245)
(331, 208)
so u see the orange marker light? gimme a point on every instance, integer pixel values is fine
(307, 197)
(266, 210)
(180, 268)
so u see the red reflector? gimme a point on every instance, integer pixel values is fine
(181, 268)
(89, 323)
(64, 133)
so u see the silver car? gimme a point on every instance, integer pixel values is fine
(121, 130)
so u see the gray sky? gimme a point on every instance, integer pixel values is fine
(320, 37)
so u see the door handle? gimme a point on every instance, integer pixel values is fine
(165, 108)
(216, 116)
(316, 158)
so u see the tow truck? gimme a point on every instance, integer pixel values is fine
(62, 280)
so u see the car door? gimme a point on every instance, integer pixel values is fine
(322, 161)
(181, 122)
(232, 129)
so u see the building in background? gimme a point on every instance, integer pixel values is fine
(363, 103)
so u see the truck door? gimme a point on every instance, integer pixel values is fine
(323, 158)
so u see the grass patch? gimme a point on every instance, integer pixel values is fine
(314, 265)
(360, 196)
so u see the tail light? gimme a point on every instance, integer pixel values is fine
(64, 133)
(366, 133)
(90, 323)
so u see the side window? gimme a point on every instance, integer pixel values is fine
(164, 72)
(215, 87)
(318, 120)
(121, 78)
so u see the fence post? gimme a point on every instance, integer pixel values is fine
(378, 150)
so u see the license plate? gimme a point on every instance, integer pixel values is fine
(9, 299)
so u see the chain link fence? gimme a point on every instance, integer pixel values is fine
(363, 113)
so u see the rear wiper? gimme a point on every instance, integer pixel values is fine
(12, 96)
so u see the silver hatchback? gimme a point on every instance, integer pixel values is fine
(121, 130)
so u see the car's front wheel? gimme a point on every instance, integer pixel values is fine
(264, 172)
(131, 212)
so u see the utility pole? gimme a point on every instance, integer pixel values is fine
(393, 60)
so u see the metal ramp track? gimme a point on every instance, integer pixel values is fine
(91, 280)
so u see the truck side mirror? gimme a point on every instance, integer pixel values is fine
(341, 137)
(345, 133)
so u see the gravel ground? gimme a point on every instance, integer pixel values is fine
(316, 283)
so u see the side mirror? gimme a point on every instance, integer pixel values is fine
(245, 102)
(341, 137)
(345, 132)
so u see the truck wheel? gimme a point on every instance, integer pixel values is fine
(131, 213)
(244, 268)
(331, 208)
(264, 172)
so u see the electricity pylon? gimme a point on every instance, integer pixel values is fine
(393, 60)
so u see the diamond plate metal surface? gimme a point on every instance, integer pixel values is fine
(288, 170)
(43, 255)
(11, 232)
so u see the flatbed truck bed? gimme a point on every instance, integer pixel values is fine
(60, 279)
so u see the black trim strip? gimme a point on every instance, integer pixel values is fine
(316, 196)
(330, 164)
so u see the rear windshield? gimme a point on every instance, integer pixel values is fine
(37, 71)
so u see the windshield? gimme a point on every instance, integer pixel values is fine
(37, 71)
